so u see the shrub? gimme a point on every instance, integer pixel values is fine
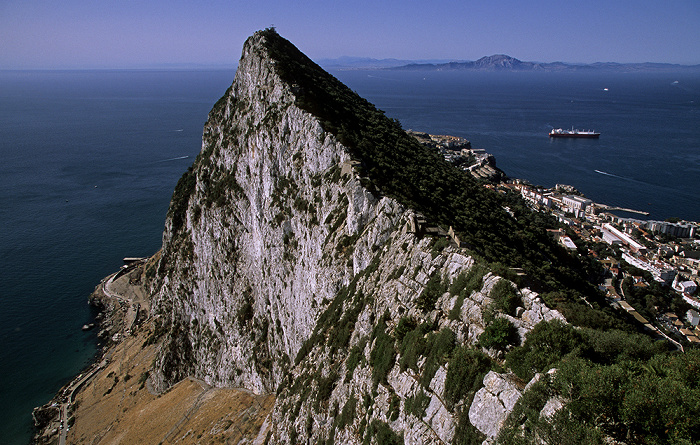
(417, 404)
(545, 345)
(383, 433)
(405, 325)
(181, 196)
(347, 415)
(438, 246)
(505, 297)
(615, 346)
(383, 354)
(412, 347)
(466, 433)
(432, 291)
(394, 407)
(354, 358)
(465, 374)
(325, 388)
(439, 347)
(464, 285)
(499, 334)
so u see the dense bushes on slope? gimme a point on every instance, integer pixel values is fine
(613, 384)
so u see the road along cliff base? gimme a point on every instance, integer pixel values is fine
(112, 402)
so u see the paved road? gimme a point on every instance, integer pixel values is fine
(134, 304)
(71, 391)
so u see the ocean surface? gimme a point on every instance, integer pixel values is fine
(90, 160)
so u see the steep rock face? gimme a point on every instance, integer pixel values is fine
(265, 232)
(492, 403)
(281, 272)
(349, 399)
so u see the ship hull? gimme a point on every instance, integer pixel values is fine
(575, 135)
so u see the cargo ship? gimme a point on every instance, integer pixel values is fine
(560, 133)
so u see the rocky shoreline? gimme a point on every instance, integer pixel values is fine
(113, 401)
(52, 418)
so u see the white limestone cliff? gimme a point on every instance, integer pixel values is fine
(269, 225)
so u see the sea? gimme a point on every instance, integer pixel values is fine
(90, 160)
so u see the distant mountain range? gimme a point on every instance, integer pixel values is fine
(369, 63)
(497, 62)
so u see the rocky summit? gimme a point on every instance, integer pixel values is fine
(348, 280)
(282, 272)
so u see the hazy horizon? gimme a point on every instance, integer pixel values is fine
(329, 62)
(77, 34)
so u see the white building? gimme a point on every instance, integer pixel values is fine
(611, 234)
(536, 197)
(678, 230)
(688, 287)
(661, 272)
(575, 204)
(567, 242)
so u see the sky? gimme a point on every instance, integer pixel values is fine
(77, 34)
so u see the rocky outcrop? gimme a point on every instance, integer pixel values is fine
(493, 403)
(391, 290)
(265, 234)
(282, 272)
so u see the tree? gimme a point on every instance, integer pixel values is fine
(545, 345)
(499, 334)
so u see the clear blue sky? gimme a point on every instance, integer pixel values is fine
(143, 33)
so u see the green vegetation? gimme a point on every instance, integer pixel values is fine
(545, 345)
(246, 311)
(325, 388)
(382, 357)
(394, 407)
(465, 374)
(382, 433)
(466, 433)
(469, 281)
(404, 326)
(181, 197)
(347, 415)
(433, 290)
(616, 384)
(424, 341)
(439, 245)
(499, 334)
(464, 285)
(439, 347)
(412, 347)
(505, 297)
(417, 404)
(633, 401)
(337, 323)
(354, 358)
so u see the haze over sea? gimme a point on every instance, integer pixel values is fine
(90, 159)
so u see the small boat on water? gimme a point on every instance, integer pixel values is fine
(561, 133)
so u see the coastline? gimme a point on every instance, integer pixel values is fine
(53, 419)
(125, 325)
(112, 399)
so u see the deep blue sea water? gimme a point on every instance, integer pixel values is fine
(90, 159)
(648, 151)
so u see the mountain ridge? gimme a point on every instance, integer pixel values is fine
(502, 62)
